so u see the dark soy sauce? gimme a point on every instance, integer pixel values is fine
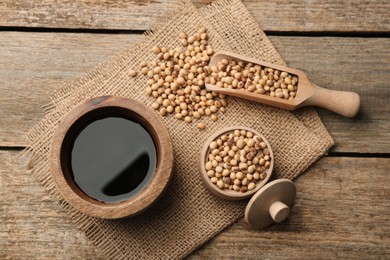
(113, 159)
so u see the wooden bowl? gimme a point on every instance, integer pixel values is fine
(88, 112)
(226, 193)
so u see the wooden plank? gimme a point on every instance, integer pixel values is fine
(341, 210)
(361, 65)
(279, 15)
(32, 223)
(32, 64)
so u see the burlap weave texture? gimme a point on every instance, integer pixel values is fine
(187, 215)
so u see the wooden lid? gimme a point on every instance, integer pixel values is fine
(270, 204)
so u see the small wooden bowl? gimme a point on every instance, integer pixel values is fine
(231, 194)
(88, 112)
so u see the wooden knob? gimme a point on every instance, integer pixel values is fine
(279, 211)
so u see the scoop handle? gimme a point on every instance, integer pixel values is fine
(341, 102)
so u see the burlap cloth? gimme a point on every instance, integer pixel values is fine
(187, 215)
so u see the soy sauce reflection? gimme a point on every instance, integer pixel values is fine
(113, 159)
(129, 178)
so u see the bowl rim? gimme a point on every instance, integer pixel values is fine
(91, 110)
(229, 194)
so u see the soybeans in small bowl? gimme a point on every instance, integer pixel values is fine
(236, 162)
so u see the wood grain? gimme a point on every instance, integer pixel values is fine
(360, 65)
(32, 224)
(341, 210)
(279, 15)
(32, 64)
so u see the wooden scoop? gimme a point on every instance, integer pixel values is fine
(308, 94)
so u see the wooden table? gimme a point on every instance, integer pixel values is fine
(342, 207)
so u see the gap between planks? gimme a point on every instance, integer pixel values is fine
(331, 154)
(277, 15)
(365, 34)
